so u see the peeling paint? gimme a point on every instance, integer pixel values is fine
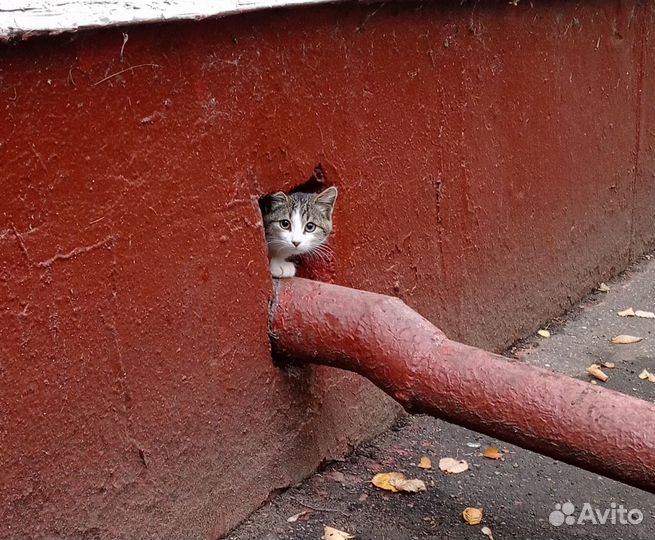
(22, 18)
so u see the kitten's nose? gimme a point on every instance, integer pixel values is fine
(295, 242)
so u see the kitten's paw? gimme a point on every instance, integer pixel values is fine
(282, 269)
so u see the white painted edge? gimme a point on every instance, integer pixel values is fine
(25, 18)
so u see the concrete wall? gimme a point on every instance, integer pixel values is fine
(495, 162)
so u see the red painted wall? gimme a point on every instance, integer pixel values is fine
(494, 163)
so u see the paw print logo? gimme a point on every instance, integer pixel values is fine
(563, 513)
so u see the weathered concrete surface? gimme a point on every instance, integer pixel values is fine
(493, 163)
(517, 494)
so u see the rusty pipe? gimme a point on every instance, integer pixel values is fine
(387, 342)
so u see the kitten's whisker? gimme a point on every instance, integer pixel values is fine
(323, 248)
(321, 256)
(321, 253)
(316, 255)
(325, 252)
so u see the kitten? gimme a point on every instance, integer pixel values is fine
(296, 224)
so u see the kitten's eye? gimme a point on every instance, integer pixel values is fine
(285, 224)
(310, 227)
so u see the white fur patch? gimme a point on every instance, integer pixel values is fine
(281, 268)
(297, 228)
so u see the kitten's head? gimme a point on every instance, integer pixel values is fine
(297, 223)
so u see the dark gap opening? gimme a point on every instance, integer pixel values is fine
(316, 183)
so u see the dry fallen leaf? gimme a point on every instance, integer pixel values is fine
(453, 466)
(413, 485)
(625, 340)
(425, 463)
(487, 532)
(492, 453)
(645, 314)
(335, 534)
(472, 516)
(295, 517)
(647, 376)
(543, 333)
(395, 481)
(603, 288)
(609, 365)
(595, 371)
(626, 313)
(384, 480)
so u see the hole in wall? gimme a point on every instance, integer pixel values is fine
(316, 183)
(318, 266)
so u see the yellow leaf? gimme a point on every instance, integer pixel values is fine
(453, 466)
(384, 480)
(472, 516)
(645, 314)
(644, 375)
(543, 333)
(595, 371)
(603, 288)
(487, 532)
(425, 463)
(335, 534)
(625, 340)
(627, 313)
(492, 453)
(410, 486)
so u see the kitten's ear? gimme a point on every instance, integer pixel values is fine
(327, 197)
(269, 202)
(278, 198)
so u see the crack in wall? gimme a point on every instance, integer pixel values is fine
(21, 243)
(71, 254)
(122, 376)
